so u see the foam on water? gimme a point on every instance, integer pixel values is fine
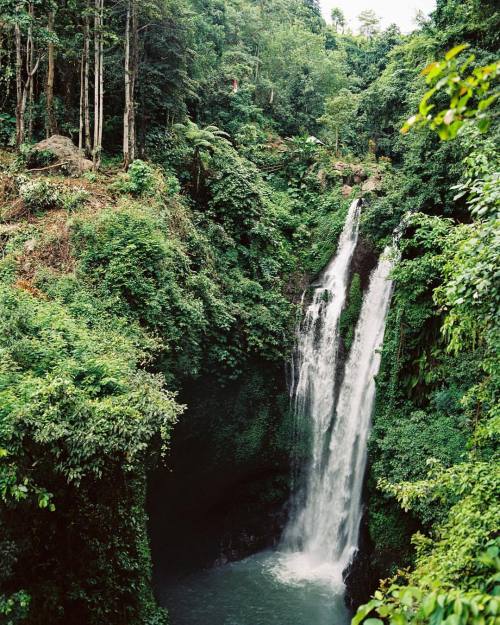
(297, 568)
(250, 593)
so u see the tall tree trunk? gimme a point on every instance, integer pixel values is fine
(98, 81)
(131, 64)
(24, 91)
(81, 126)
(30, 60)
(126, 110)
(96, 77)
(84, 140)
(51, 123)
(101, 79)
(86, 99)
(19, 87)
(133, 78)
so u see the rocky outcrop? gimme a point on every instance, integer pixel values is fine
(350, 172)
(373, 184)
(369, 178)
(63, 155)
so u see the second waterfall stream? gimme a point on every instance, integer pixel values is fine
(335, 408)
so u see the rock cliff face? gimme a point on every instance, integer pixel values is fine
(361, 580)
(369, 179)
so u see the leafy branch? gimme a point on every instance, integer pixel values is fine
(470, 96)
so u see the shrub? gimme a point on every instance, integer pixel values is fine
(76, 410)
(350, 314)
(74, 199)
(173, 185)
(39, 158)
(326, 233)
(39, 195)
(141, 179)
(7, 129)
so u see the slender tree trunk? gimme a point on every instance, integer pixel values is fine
(24, 99)
(24, 91)
(98, 81)
(131, 64)
(85, 141)
(126, 110)
(142, 138)
(101, 78)
(133, 78)
(30, 60)
(86, 99)
(19, 87)
(51, 124)
(81, 126)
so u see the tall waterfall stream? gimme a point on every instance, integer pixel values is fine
(302, 582)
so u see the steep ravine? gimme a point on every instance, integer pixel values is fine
(225, 504)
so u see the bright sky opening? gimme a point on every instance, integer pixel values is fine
(400, 12)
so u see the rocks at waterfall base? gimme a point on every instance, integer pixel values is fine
(346, 190)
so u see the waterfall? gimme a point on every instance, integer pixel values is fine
(322, 533)
(315, 368)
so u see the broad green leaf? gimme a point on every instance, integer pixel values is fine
(454, 51)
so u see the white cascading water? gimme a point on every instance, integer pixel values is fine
(322, 533)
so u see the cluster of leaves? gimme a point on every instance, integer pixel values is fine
(38, 195)
(456, 570)
(350, 315)
(470, 96)
(472, 608)
(140, 179)
(76, 408)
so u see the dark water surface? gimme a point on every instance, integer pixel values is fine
(252, 592)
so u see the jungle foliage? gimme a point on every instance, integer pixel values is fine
(171, 274)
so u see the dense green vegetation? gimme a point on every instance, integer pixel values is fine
(133, 297)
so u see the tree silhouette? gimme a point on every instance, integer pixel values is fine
(338, 19)
(369, 23)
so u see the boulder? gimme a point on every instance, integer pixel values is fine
(340, 166)
(358, 172)
(373, 184)
(346, 190)
(67, 156)
(350, 172)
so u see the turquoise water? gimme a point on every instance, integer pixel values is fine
(253, 592)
